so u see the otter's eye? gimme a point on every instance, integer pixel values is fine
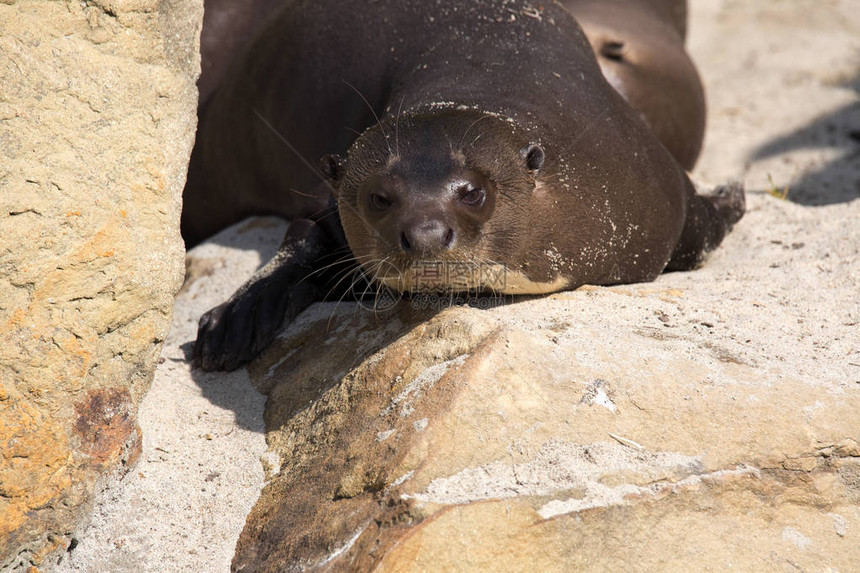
(379, 202)
(472, 196)
(613, 51)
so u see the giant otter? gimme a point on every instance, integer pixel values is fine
(478, 132)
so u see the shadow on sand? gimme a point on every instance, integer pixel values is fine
(837, 181)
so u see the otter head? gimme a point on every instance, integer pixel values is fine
(430, 201)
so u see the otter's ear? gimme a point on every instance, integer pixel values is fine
(533, 155)
(332, 166)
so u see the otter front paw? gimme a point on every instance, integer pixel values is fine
(235, 332)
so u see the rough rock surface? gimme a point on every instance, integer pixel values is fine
(97, 112)
(702, 422)
(655, 425)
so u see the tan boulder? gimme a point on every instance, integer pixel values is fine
(97, 115)
(707, 419)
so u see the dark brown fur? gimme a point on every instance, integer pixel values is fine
(486, 134)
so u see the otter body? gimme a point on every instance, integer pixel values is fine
(479, 132)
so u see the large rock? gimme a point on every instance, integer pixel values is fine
(644, 427)
(97, 116)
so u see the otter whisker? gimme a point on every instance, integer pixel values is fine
(357, 272)
(372, 111)
(397, 126)
(468, 129)
(293, 149)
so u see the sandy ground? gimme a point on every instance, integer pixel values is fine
(782, 78)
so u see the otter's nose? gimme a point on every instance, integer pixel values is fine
(426, 237)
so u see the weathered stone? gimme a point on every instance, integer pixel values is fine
(643, 426)
(97, 114)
